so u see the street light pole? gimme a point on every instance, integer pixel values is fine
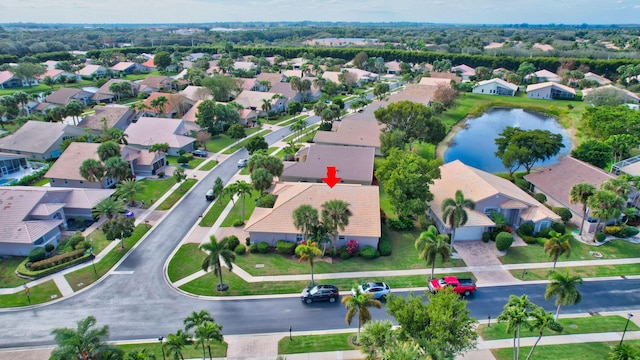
(162, 346)
(629, 316)
(93, 256)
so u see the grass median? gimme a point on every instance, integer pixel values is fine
(209, 165)
(582, 271)
(38, 294)
(177, 194)
(218, 350)
(187, 260)
(315, 343)
(214, 211)
(580, 351)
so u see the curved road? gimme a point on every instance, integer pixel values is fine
(137, 303)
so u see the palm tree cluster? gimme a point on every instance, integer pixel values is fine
(205, 330)
(111, 164)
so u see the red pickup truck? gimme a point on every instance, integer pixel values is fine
(464, 287)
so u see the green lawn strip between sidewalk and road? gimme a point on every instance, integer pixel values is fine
(186, 261)
(236, 211)
(209, 165)
(315, 343)
(532, 253)
(205, 285)
(582, 271)
(292, 120)
(218, 350)
(214, 212)
(571, 326)
(240, 145)
(177, 194)
(154, 189)
(86, 276)
(309, 130)
(39, 294)
(578, 351)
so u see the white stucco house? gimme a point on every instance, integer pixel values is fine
(495, 86)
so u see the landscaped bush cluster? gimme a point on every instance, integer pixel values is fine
(522, 183)
(353, 247)
(56, 260)
(49, 247)
(531, 240)
(266, 201)
(558, 227)
(240, 249)
(37, 254)
(541, 241)
(544, 232)
(238, 222)
(424, 222)
(253, 248)
(233, 242)
(402, 224)
(504, 241)
(263, 248)
(344, 254)
(564, 213)
(285, 247)
(600, 236)
(384, 246)
(621, 231)
(542, 198)
(75, 239)
(31, 178)
(526, 229)
(369, 252)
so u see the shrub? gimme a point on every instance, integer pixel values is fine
(238, 222)
(266, 201)
(383, 217)
(233, 241)
(56, 260)
(558, 227)
(600, 237)
(402, 224)
(86, 245)
(247, 240)
(544, 232)
(344, 255)
(522, 183)
(564, 213)
(353, 247)
(369, 252)
(504, 241)
(263, 248)
(75, 239)
(529, 239)
(494, 233)
(31, 178)
(253, 248)
(542, 198)
(612, 230)
(526, 229)
(424, 222)
(541, 241)
(385, 244)
(240, 249)
(285, 247)
(183, 159)
(629, 231)
(37, 254)
(49, 247)
(325, 126)
(486, 236)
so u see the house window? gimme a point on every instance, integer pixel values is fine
(489, 210)
(299, 237)
(342, 238)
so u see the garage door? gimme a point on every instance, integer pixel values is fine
(469, 233)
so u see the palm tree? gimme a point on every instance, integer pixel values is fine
(108, 207)
(158, 104)
(565, 288)
(266, 107)
(542, 320)
(196, 320)
(108, 149)
(580, 193)
(129, 189)
(206, 332)
(116, 88)
(516, 313)
(375, 338)
(430, 244)
(359, 304)
(176, 343)
(335, 216)
(405, 350)
(49, 81)
(318, 234)
(620, 185)
(74, 109)
(309, 251)
(557, 245)
(455, 213)
(624, 351)
(304, 217)
(605, 205)
(92, 170)
(140, 355)
(23, 99)
(85, 342)
(243, 189)
(117, 168)
(217, 250)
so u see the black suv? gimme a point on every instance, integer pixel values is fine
(325, 292)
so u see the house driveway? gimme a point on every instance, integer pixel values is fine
(480, 256)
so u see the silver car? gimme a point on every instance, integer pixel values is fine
(379, 290)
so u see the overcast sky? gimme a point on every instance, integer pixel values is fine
(436, 11)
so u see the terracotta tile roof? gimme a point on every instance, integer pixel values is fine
(173, 101)
(191, 115)
(600, 79)
(63, 96)
(351, 132)
(464, 70)
(5, 76)
(443, 75)
(412, 92)
(557, 180)
(113, 114)
(52, 73)
(253, 99)
(156, 81)
(149, 63)
(284, 89)
(196, 93)
(122, 65)
(68, 164)
(393, 65)
(364, 203)
(353, 164)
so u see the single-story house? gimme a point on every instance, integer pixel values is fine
(248, 116)
(352, 132)
(495, 86)
(490, 193)
(56, 74)
(175, 132)
(244, 65)
(353, 165)
(550, 90)
(272, 78)
(128, 67)
(544, 75)
(597, 78)
(630, 166)
(362, 76)
(176, 105)
(251, 84)
(445, 75)
(271, 225)
(556, 181)
(109, 116)
(63, 96)
(12, 163)
(105, 95)
(155, 83)
(393, 67)
(91, 71)
(421, 94)
(9, 81)
(196, 93)
(434, 81)
(39, 140)
(628, 95)
(149, 64)
(333, 76)
(465, 71)
(33, 216)
(253, 100)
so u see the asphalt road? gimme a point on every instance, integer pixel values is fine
(136, 301)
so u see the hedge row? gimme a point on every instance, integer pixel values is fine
(22, 268)
(56, 260)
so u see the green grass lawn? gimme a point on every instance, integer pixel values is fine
(291, 120)
(579, 251)
(584, 272)
(39, 294)
(272, 149)
(214, 212)
(209, 165)
(8, 278)
(315, 343)
(41, 182)
(309, 131)
(186, 261)
(236, 211)
(218, 350)
(221, 141)
(580, 351)
(385, 204)
(240, 145)
(193, 163)
(177, 194)
(581, 325)
(154, 189)
(85, 276)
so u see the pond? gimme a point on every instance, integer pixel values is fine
(474, 145)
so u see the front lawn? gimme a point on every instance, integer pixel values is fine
(154, 189)
(186, 261)
(579, 251)
(580, 351)
(193, 163)
(315, 343)
(39, 294)
(241, 144)
(236, 211)
(218, 350)
(221, 141)
(214, 212)
(177, 194)
(8, 278)
(583, 271)
(209, 165)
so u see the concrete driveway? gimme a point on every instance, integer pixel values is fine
(480, 255)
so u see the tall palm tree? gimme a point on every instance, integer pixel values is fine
(620, 185)
(158, 104)
(565, 288)
(92, 170)
(85, 342)
(557, 245)
(319, 234)
(305, 217)
(116, 88)
(117, 168)
(74, 109)
(129, 189)
(335, 216)
(309, 251)
(359, 304)
(243, 190)
(23, 99)
(515, 313)
(176, 343)
(207, 332)
(216, 251)
(430, 245)
(580, 193)
(108, 149)
(196, 320)
(605, 205)
(108, 207)
(542, 320)
(266, 107)
(455, 213)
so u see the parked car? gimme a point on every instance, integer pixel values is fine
(242, 163)
(323, 292)
(379, 290)
(200, 153)
(461, 286)
(209, 196)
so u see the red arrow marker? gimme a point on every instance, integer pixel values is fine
(331, 178)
